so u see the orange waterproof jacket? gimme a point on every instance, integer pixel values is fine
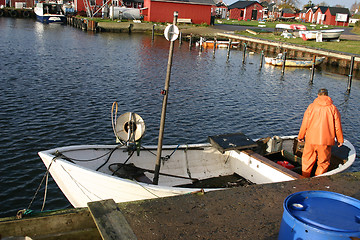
(321, 123)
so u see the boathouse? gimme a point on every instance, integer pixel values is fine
(246, 10)
(319, 14)
(309, 16)
(337, 16)
(190, 11)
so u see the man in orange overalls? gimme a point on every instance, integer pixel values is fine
(320, 125)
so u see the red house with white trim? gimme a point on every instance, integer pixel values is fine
(246, 10)
(337, 16)
(319, 14)
(198, 11)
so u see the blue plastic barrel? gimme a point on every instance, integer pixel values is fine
(320, 215)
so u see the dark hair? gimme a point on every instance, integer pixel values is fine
(323, 91)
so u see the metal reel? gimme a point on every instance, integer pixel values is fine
(130, 127)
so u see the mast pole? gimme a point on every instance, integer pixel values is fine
(165, 92)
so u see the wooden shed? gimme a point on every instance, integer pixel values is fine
(319, 14)
(190, 11)
(337, 16)
(246, 10)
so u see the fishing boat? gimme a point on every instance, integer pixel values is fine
(124, 172)
(50, 13)
(327, 34)
(279, 61)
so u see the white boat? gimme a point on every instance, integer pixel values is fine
(50, 13)
(89, 173)
(278, 61)
(327, 34)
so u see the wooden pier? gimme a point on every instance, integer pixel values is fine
(253, 212)
(332, 58)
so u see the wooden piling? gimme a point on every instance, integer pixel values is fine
(244, 53)
(350, 73)
(190, 41)
(214, 47)
(228, 50)
(153, 32)
(180, 39)
(261, 58)
(312, 70)
(284, 62)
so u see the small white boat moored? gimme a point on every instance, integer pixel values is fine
(124, 172)
(279, 61)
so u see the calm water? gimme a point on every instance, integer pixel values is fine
(58, 84)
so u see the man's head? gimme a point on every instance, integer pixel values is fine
(323, 92)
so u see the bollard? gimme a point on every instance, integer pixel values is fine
(261, 58)
(214, 47)
(350, 74)
(244, 53)
(228, 50)
(284, 62)
(312, 70)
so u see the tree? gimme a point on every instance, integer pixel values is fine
(354, 7)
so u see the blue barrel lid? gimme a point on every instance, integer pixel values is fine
(325, 210)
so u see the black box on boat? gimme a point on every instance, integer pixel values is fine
(231, 141)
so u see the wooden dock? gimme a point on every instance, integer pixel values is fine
(333, 58)
(252, 212)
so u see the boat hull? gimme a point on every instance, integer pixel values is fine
(51, 19)
(331, 34)
(86, 181)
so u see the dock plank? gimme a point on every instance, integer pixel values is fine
(109, 220)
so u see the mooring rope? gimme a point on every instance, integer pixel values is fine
(37, 190)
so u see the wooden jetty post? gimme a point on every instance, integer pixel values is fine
(110, 222)
(284, 62)
(214, 47)
(165, 92)
(312, 70)
(244, 53)
(351, 73)
(190, 41)
(153, 32)
(261, 58)
(200, 43)
(228, 50)
(180, 39)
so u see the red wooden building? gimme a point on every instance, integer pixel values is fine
(319, 15)
(196, 11)
(246, 10)
(309, 15)
(337, 16)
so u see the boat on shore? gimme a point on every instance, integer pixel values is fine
(327, 34)
(124, 172)
(50, 13)
(279, 61)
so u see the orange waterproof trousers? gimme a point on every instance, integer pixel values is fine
(313, 153)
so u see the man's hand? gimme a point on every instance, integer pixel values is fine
(300, 140)
(339, 144)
